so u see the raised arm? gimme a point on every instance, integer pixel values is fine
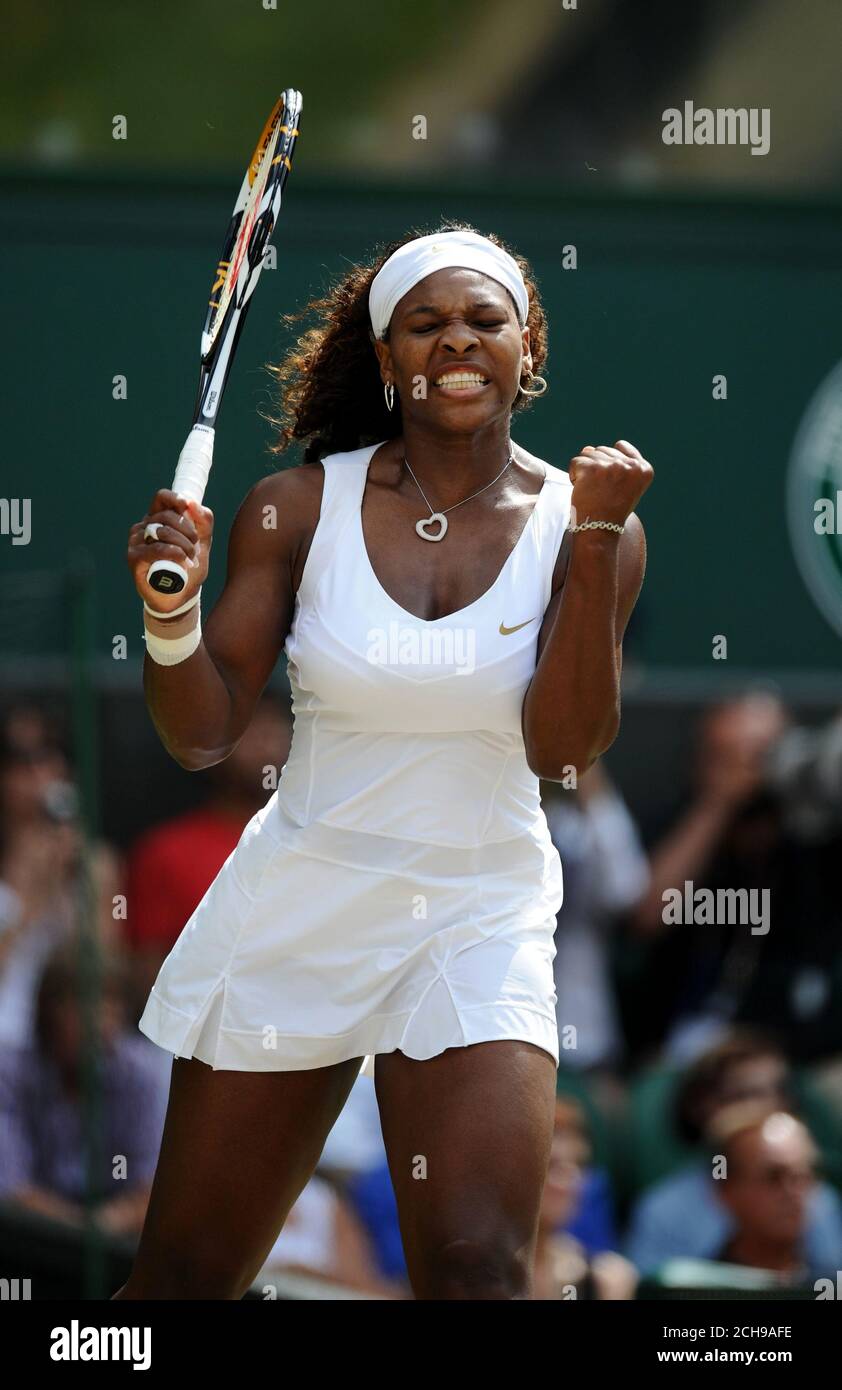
(571, 711)
(202, 706)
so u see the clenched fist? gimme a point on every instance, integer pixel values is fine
(608, 482)
(185, 536)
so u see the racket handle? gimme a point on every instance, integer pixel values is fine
(191, 479)
(194, 463)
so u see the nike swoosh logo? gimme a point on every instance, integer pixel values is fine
(506, 631)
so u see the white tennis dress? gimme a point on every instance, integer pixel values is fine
(400, 888)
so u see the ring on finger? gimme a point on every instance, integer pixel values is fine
(150, 533)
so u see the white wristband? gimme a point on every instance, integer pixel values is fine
(171, 651)
(176, 650)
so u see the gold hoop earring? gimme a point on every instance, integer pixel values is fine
(531, 377)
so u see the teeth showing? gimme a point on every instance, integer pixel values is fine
(458, 381)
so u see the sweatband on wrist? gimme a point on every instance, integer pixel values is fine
(173, 641)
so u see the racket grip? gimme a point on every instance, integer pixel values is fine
(191, 479)
(194, 463)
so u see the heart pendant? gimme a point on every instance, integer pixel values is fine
(421, 526)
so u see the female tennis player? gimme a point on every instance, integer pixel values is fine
(452, 610)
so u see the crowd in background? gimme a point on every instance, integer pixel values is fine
(698, 1126)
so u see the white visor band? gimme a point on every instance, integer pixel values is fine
(427, 254)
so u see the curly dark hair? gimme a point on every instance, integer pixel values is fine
(331, 394)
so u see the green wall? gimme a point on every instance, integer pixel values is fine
(104, 277)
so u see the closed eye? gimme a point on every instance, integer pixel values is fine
(428, 327)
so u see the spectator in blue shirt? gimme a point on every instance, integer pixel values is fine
(681, 1214)
(44, 1134)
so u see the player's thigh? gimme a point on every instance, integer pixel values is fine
(468, 1136)
(237, 1149)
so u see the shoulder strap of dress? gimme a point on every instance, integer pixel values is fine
(344, 483)
(342, 491)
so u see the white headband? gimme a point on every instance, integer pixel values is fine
(426, 254)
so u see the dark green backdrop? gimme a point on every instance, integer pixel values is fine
(103, 277)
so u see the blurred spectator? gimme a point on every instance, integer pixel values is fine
(606, 873)
(373, 1198)
(563, 1267)
(41, 866)
(769, 1180)
(354, 1158)
(324, 1239)
(172, 865)
(28, 727)
(730, 834)
(805, 768)
(592, 1221)
(681, 1215)
(45, 1134)
(355, 1144)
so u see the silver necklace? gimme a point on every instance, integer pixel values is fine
(421, 526)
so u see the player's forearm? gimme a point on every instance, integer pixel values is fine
(571, 712)
(192, 709)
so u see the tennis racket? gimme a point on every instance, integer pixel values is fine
(237, 273)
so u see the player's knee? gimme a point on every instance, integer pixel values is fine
(489, 1267)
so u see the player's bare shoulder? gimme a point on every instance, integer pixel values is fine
(280, 514)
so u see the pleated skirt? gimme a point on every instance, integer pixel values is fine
(316, 944)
